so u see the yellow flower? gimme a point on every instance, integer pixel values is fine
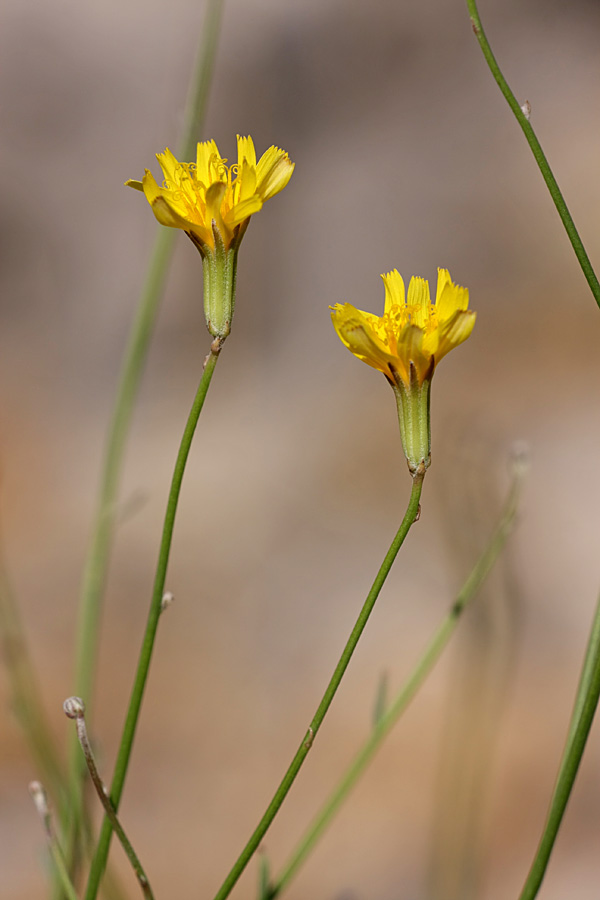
(213, 202)
(193, 196)
(413, 334)
(406, 343)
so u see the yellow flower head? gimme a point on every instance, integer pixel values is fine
(413, 334)
(194, 195)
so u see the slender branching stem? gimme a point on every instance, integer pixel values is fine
(586, 702)
(411, 515)
(522, 117)
(386, 719)
(156, 606)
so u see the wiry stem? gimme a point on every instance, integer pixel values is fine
(522, 117)
(385, 720)
(411, 515)
(156, 606)
(586, 703)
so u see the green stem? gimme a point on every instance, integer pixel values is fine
(27, 703)
(537, 151)
(388, 719)
(62, 874)
(586, 702)
(40, 800)
(96, 564)
(26, 695)
(281, 793)
(122, 763)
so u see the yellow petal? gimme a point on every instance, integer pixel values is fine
(246, 152)
(273, 172)
(150, 187)
(431, 343)
(450, 297)
(394, 290)
(354, 331)
(161, 208)
(410, 350)
(242, 211)
(172, 168)
(454, 331)
(418, 301)
(214, 199)
(207, 153)
(132, 183)
(443, 280)
(245, 183)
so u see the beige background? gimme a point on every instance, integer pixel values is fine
(406, 157)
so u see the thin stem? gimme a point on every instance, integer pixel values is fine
(537, 151)
(386, 721)
(75, 709)
(38, 795)
(96, 564)
(60, 867)
(263, 877)
(412, 513)
(586, 702)
(26, 695)
(122, 763)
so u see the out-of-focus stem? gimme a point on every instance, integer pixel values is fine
(26, 694)
(39, 798)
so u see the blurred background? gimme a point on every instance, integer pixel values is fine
(406, 156)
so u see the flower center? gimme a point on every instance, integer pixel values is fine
(399, 316)
(189, 190)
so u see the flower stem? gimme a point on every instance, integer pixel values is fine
(137, 694)
(386, 721)
(96, 564)
(586, 702)
(412, 513)
(537, 151)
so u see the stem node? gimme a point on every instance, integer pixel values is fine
(310, 737)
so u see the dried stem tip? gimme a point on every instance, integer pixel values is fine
(74, 707)
(38, 794)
